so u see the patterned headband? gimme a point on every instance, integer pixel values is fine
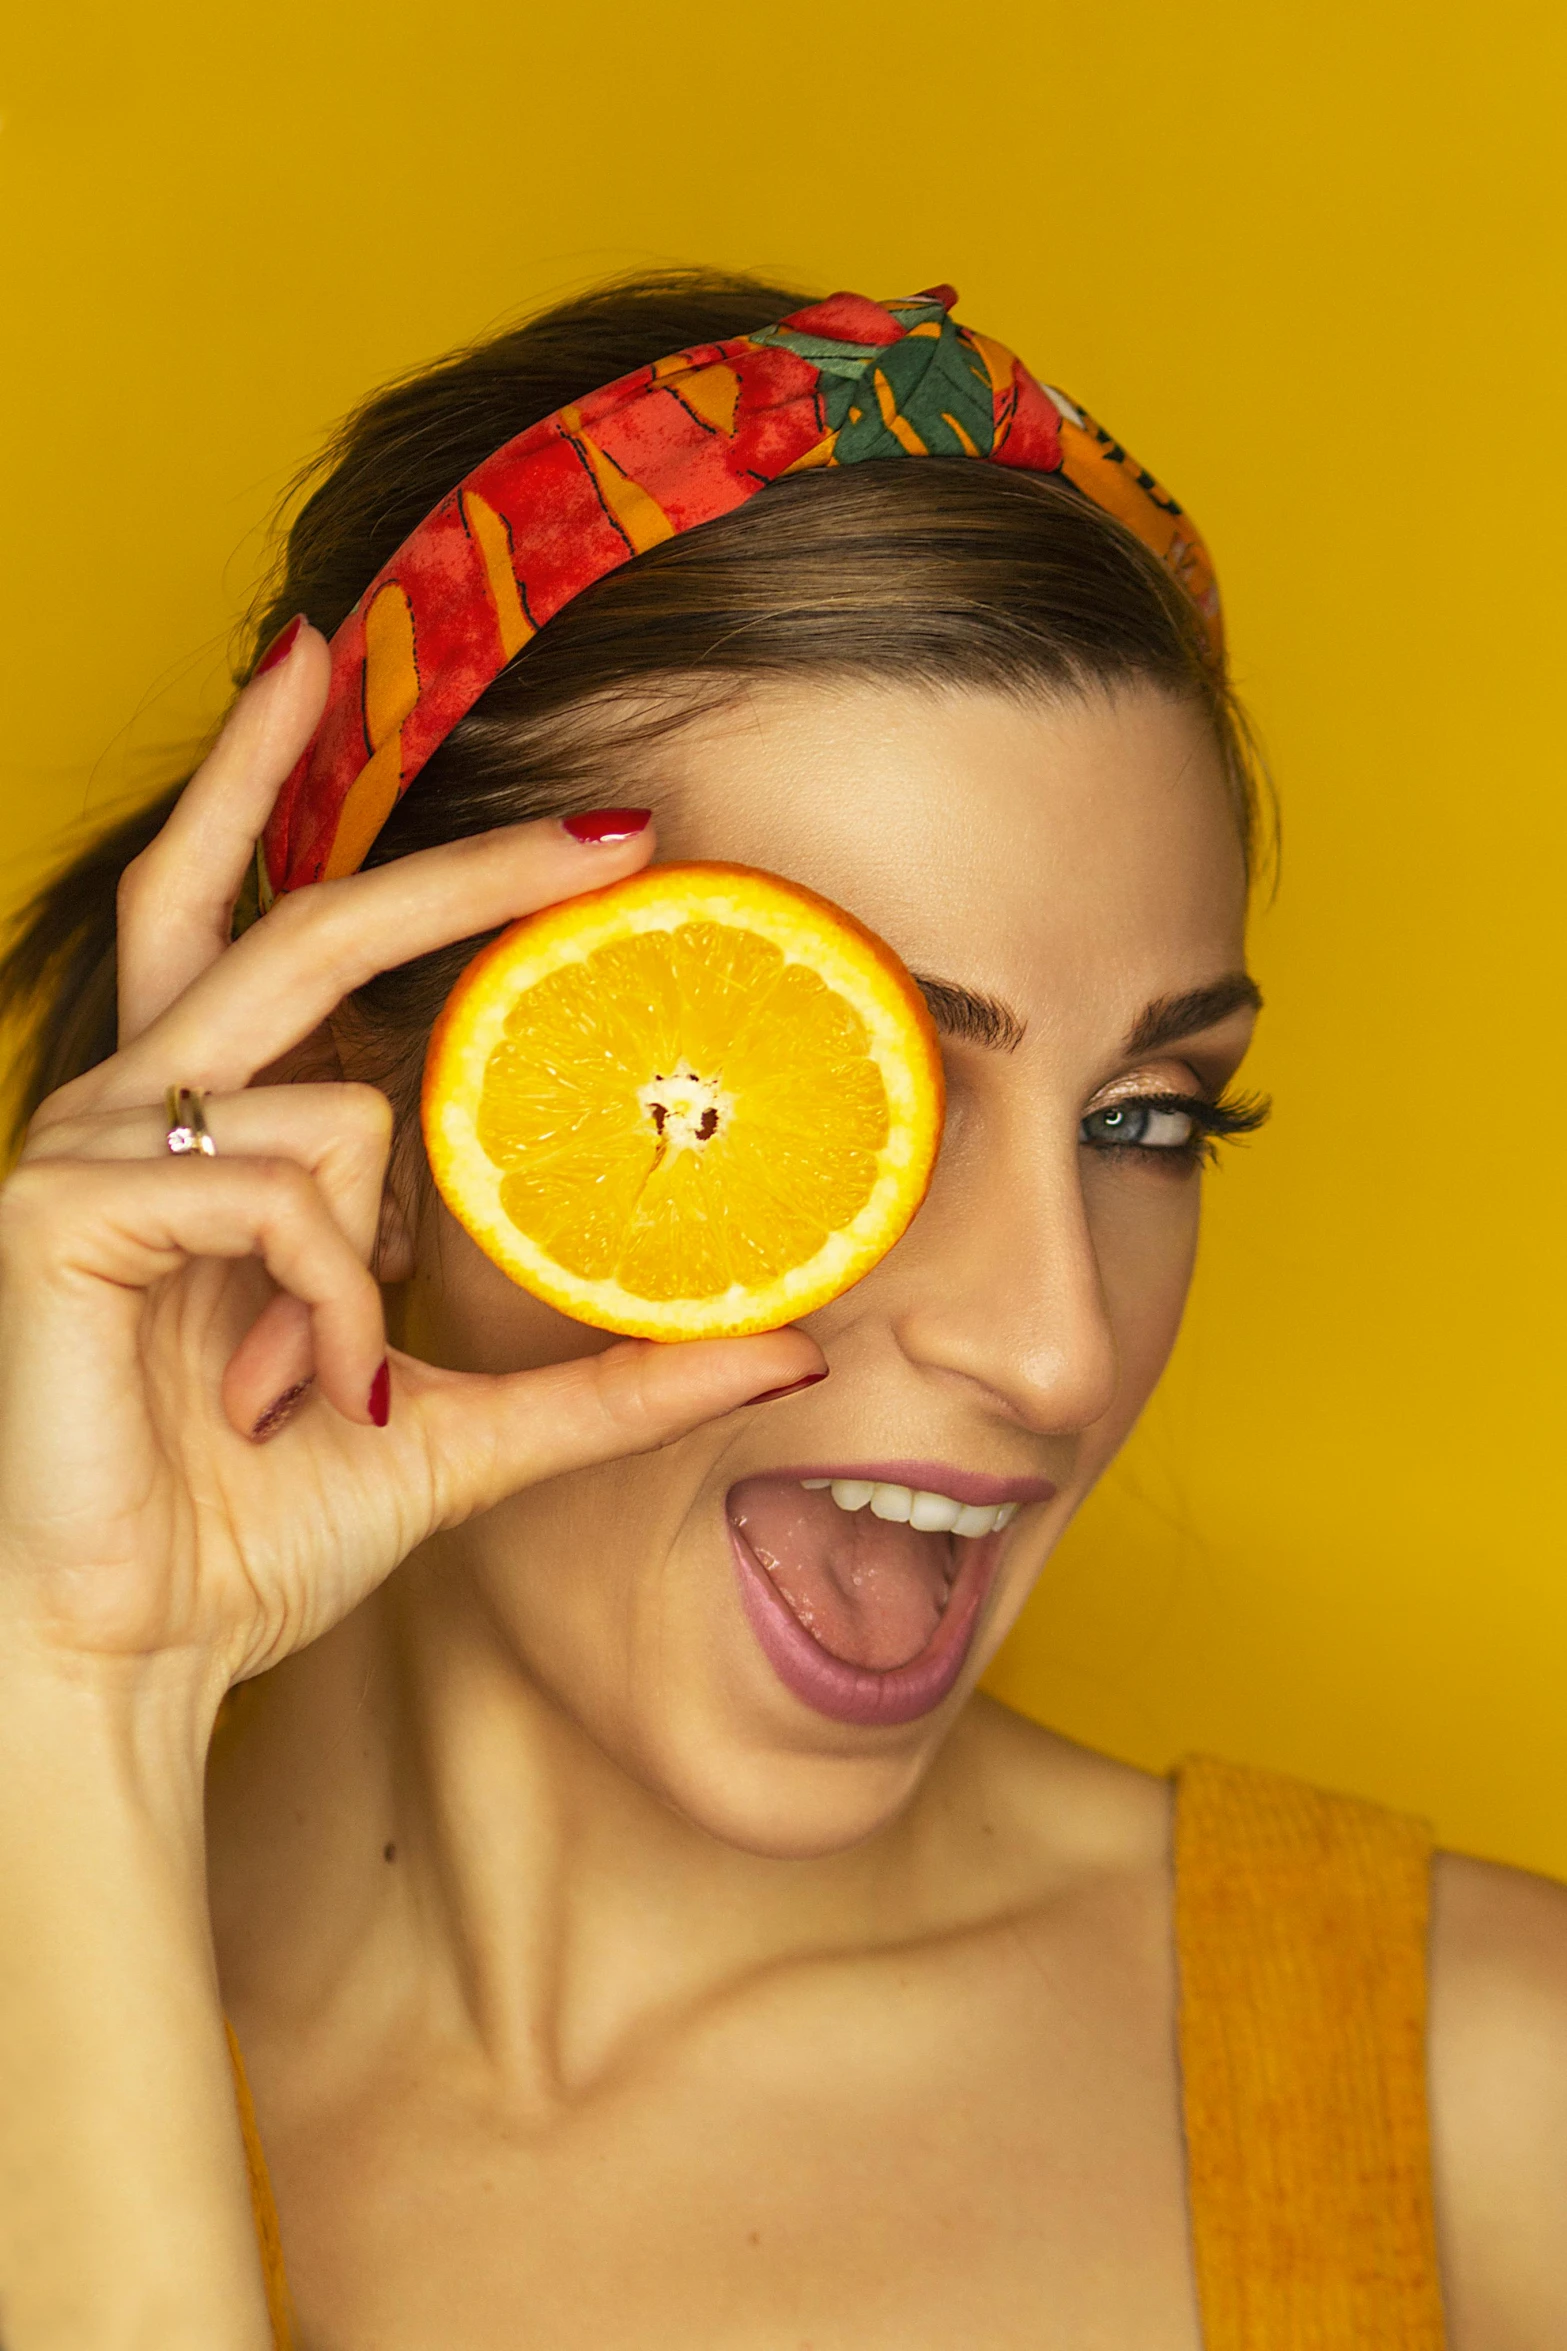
(664, 449)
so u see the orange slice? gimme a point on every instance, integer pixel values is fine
(699, 1102)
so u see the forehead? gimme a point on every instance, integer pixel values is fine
(1083, 853)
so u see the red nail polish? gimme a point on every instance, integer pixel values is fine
(602, 827)
(280, 648)
(770, 1395)
(380, 1405)
(281, 1409)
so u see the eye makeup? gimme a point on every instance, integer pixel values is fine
(1176, 1128)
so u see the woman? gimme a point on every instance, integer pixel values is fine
(600, 1979)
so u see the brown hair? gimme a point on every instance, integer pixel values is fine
(932, 574)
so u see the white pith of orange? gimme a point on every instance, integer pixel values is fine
(536, 1104)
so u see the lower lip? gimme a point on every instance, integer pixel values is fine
(853, 1693)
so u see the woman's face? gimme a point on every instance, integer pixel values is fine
(1067, 882)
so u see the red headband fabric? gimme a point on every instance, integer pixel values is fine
(665, 449)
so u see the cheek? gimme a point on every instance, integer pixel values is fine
(1144, 1226)
(461, 1311)
(573, 1580)
(563, 1583)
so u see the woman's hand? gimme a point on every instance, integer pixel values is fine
(141, 1516)
(153, 1550)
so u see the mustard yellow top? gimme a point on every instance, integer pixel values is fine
(1301, 1928)
(268, 2234)
(1301, 1924)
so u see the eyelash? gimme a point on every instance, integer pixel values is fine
(1212, 1123)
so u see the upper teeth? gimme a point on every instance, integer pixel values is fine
(930, 1513)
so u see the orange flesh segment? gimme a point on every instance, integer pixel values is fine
(683, 1121)
(757, 1196)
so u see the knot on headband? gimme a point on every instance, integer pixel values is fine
(665, 449)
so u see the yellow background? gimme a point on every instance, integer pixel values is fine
(1307, 259)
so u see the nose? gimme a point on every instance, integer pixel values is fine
(999, 1283)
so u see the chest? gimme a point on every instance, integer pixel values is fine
(938, 2155)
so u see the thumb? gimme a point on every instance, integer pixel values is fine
(484, 1438)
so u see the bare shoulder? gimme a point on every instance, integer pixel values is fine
(1499, 2102)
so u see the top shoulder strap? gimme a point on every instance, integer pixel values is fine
(1301, 1923)
(268, 2238)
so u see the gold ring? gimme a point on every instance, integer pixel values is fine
(187, 1123)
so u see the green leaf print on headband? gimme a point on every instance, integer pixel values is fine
(928, 395)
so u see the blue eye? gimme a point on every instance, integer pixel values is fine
(1179, 1128)
(1148, 1125)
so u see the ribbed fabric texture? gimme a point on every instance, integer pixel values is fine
(1301, 1922)
(267, 2232)
(1301, 1925)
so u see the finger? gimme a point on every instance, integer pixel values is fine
(133, 1224)
(340, 1134)
(289, 971)
(272, 1371)
(176, 902)
(486, 1438)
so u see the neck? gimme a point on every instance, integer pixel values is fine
(409, 1836)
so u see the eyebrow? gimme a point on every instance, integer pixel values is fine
(978, 1019)
(1169, 1018)
(968, 1013)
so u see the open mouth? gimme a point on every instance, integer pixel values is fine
(864, 1594)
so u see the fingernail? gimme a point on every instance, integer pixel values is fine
(380, 1405)
(602, 827)
(280, 1409)
(770, 1395)
(280, 648)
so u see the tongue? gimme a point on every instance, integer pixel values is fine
(872, 1593)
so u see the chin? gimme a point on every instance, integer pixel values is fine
(785, 1806)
